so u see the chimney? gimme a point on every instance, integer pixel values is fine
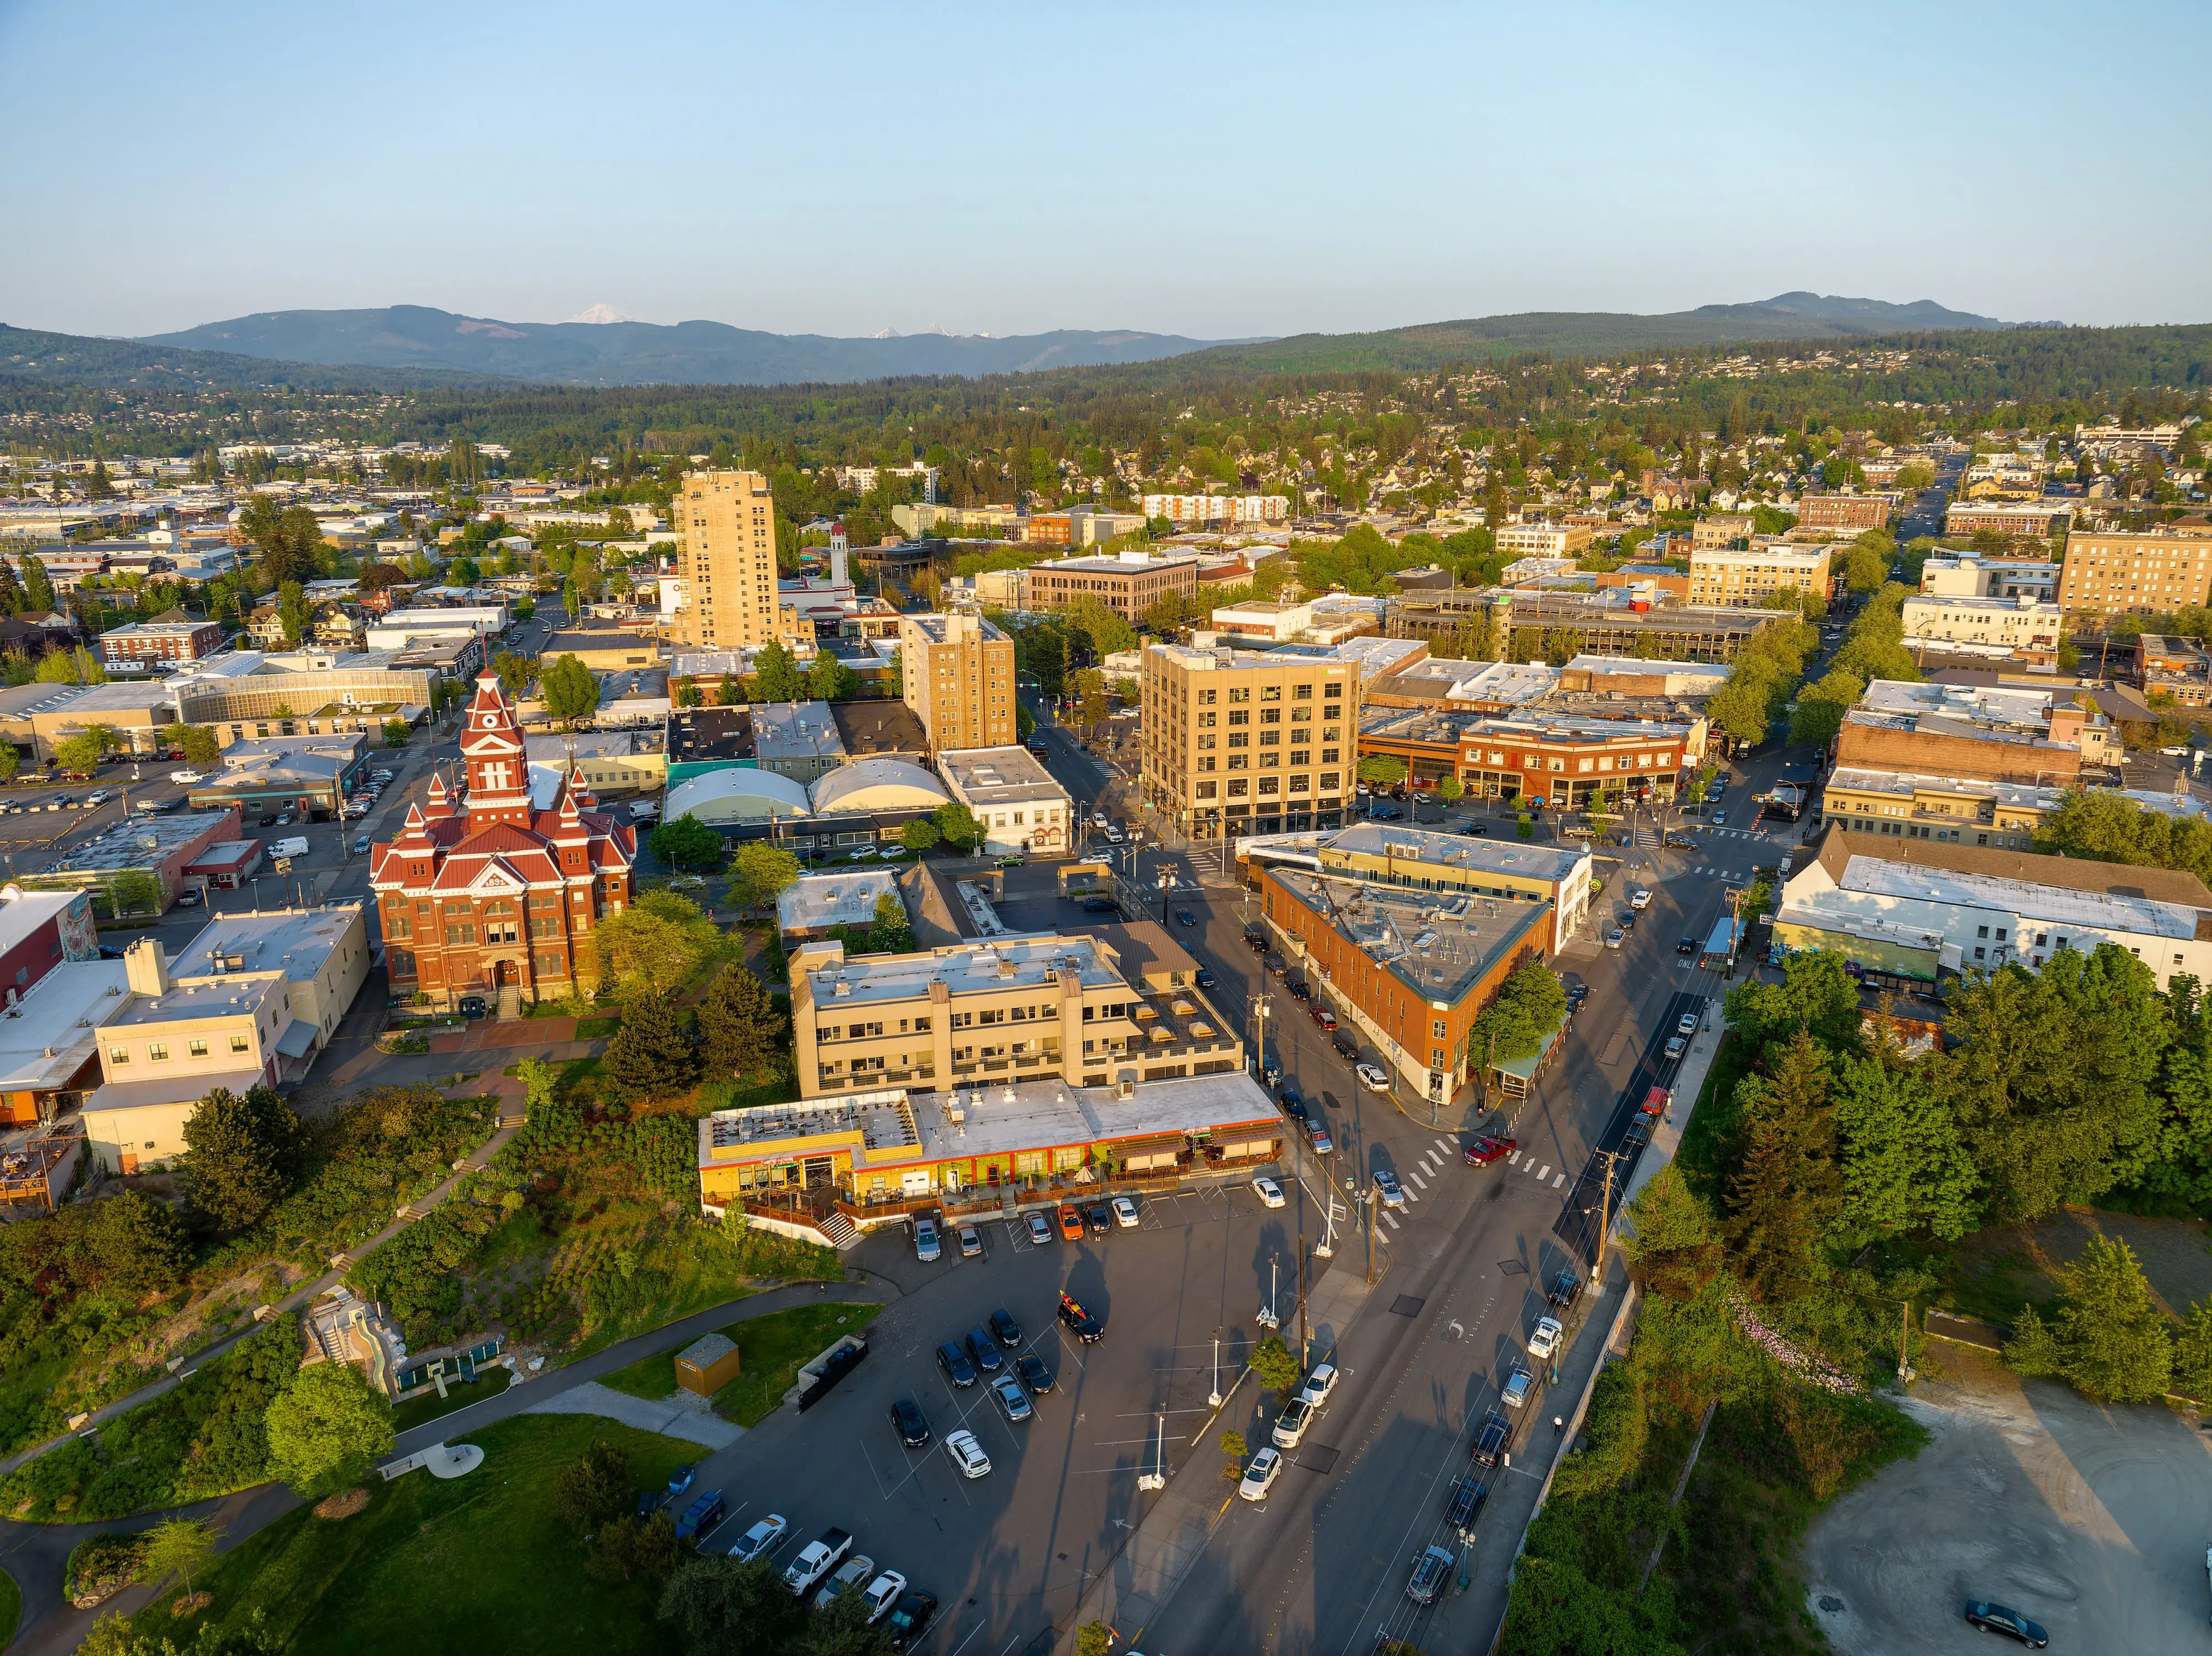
(146, 969)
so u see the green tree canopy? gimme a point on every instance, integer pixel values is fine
(759, 874)
(956, 825)
(650, 1055)
(2110, 1341)
(243, 1154)
(327, 1428)
(569, 689)
(1529, 1004)
(687, 843)
(776, 677)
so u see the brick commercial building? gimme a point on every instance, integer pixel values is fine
(1128, 582)
(1743, 580)
(1851, 515)
(1524, 626)
(956, 674)
(2038, 520)
(494, 897)
(1559, 758)
(1419, 859)
(2006, 733)
(1356, 941)
(169, 638)
(1238, 743)
(2109, 573)
(727, 560)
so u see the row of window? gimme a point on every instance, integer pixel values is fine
(157, 1052)
(1268, 762)
(1330, 782)
(1272, 693)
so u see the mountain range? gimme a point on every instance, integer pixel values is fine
(410, 346)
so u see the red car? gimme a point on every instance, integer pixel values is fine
(1488, 1149)
(1324, 1017)
(1657, 1100)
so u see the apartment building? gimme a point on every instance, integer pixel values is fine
(2022, 625)
(1530, 624)
(2110, 573)
(1415, 1004)
(1241, 743)
(1128, 582)
(727, 560)
(2037, 521)
(1419, 859)
(1851, 514)
(1742, 580)
(1120, 1003)
(1218, 508)
(1968, 577)
(173, 637)
(958, 676)
(1544, 540)
(1721, 529)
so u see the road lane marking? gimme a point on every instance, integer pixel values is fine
(1545, 1174)
(1445, 1148)
(1560, 1183)
(1390, 1218)
(1414, 1174)
(1514, 1160)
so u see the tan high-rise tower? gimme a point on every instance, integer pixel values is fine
(729, 566)
(958, 674)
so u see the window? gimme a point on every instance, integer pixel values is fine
(1206, 698)
(1303, 692)
(1235, 719)
(1437, 1027)
(1236, 696)
(239, 1043)
(1981, 954)
(119, 1055)
(1334, 692)
(196, 1049)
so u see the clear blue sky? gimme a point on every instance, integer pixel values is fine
(1210, 170)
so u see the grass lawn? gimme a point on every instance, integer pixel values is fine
(479, 1561)
(651, 1378)
(770, 1349)
(415, 1412)
(597, 1029)
(11, 1608)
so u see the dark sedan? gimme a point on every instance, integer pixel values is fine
(911, 1424)
(1184, 917)
(1995, 1618)
(1686, 946)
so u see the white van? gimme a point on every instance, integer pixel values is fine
(296, 846)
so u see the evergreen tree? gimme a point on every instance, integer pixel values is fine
(650, 1055)
(242, 1154)
(776, 677)
(38, 585)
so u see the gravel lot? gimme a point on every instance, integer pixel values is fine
(2092, 1520)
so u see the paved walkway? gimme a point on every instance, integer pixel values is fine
(686, 1415)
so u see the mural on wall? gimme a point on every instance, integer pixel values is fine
(80, 937)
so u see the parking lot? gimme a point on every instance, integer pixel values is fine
(1009, 1553)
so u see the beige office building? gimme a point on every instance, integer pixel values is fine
(2120, 574)
(728, 559)
(1119, 1004)
(956, 673)
(1238, 742)
(1742, 580)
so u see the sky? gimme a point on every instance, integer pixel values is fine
(1212, 170)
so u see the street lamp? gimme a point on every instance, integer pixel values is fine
(1213, 1398)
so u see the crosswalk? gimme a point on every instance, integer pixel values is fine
(1520, 1161)
(1432, 1163)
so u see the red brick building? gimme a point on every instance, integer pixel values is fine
(1855, 512)
(174, 636)
(490, 893)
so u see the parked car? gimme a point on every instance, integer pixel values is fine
(1430, 1571)
(1995, 1618)
(1514, 1391)
(910, 1423)
(1687, 1024)
(1184, 917)
(1614, 937)
(1372, 1076)
(1070, 1223)
(1545, 1340)
(1276, 965)
(926, 1244)
(1291, 1425)
(882, 1593)
(1491, 1147)
(1676, 1046)
(1260, 1475)
(1324, 1017)
(1040, 1229)
(971, 1242)
(185, 779)
(1269, 1192)
(954, 1361)
(1639, 898)
(1317, 1132)
(472, 1006)
(984, 1350)
(1466, 1504)
(1256, 939)
(1293, 1101)
(1387, 1188)
(1566, 1289)
(1033, 1372)
(1491, 1439)
(909, 1619)
(1318, 1384)
(1204, 977)
(1013, 1401)
(1299, 988)
(700, 1516)
(816, 1560)
(680, 1479)
(967, 1454)
(1345, 1044)
(763, 1538)
(1084, 1326)
(1101, 906)
(1005, 1329)
(360, 845)
(1100, 1223)
(852, 1573)
(1125, 1212)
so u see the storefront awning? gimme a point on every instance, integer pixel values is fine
(298, 1038)
(1157, 1145)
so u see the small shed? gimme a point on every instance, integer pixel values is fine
(229, 863)
(708, 1364)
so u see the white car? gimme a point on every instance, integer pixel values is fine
(1639, 898)
(967, 1454)
(1269, 1192)
(850, 1574)
(1318, 1385)
(1125, 1213)
(1260, 1477)
(883, 1592)
(1113, 835)
(1688, 1025)
(1546, 1339)
(1371, 1078)
(816, 1560)
(1099, 819)
(187, 777)
(1612, 939)
(1387, 1188)
(763, 1538)
(1291, 1425)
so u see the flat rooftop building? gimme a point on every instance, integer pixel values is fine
(1014, 797)
(797, 739)
(816, 905)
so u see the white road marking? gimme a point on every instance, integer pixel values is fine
(1545, 1174)
(1445, 1148)
(1514, 1160)
(1390, 1218)
(1560, 1183)
(1414, 1174)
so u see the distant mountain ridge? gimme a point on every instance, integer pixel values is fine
(618, 353)
(1792, 315)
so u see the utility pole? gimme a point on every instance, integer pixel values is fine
(1302, 1285)
(1604, 1216)
(1904, 1374)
